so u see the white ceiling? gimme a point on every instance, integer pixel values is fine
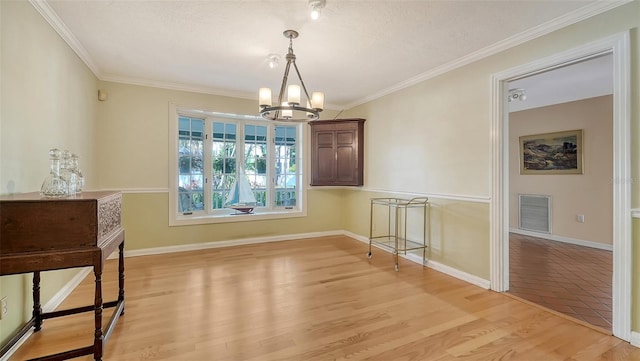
(356, 51)
(582, 80)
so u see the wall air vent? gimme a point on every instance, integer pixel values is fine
(535, 213)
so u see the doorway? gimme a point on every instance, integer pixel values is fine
(618, 47)
(560, 204)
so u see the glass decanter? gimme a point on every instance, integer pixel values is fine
(76, 170)
(67, 174)
(54, 186)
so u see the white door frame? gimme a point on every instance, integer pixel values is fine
(618, 46)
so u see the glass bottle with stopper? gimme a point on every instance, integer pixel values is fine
(54, 186)
(74, 168)
(67, 174)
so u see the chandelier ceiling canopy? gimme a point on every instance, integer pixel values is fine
(291, 109)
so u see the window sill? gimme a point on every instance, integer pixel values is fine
(180, 220)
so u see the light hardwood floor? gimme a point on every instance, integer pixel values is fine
(316, 299)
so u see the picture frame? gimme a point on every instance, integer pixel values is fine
(552, 153)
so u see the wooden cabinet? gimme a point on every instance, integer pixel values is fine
(42, 234)
(337, 152)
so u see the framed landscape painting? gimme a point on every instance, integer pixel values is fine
(551, 153)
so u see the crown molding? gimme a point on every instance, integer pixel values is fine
(571, 18)
(186, 88)
(175, 86)
(59, 26)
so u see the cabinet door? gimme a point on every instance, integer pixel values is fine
(346, 156)
(324, 164)
(336, 152)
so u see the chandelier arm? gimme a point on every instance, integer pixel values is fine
(295, 66)
(313, 114)
(265, 115)
(285, 77)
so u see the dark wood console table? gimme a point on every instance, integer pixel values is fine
(42, 234)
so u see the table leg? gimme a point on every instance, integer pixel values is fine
(121, 275)
(37, 307)
(98, 337)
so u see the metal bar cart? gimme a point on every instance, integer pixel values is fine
(394, 237)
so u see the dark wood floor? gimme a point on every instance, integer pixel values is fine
(570, 279)
(318, 299)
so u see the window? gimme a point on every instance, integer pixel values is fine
(213, 154)
(190, 166)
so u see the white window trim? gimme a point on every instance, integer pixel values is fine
(202, 217)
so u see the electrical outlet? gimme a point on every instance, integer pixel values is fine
(580, 218)
(3, 307)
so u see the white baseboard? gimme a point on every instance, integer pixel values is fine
(66, 290)
(461, 275)
(552, 237)
(219, 244)
(51, 305)
(635, 339)
(475, 280)
(453, 272)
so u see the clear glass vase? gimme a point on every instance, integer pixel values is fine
(54, 186)
(67, 174)
(76, 170)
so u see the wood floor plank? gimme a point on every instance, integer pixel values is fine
(316, 299)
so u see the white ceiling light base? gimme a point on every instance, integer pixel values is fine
(316, 8)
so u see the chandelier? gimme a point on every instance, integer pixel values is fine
(291, 110)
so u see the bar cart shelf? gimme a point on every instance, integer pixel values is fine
(394, 235)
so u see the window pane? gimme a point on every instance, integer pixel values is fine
(261, 134)
(249, 132)
(223, 157)
(255, 160)
(218, 148)
(218, 130)
(230, 149)
(255, 150)
(286, 177)
(190, 167)
(230, 131)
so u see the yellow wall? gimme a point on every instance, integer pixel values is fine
(133, 156)
(458, 230)
(594, 117)
(134, 132)
(48, 100)
(435, 137)
(133, 146)
(146, 226)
